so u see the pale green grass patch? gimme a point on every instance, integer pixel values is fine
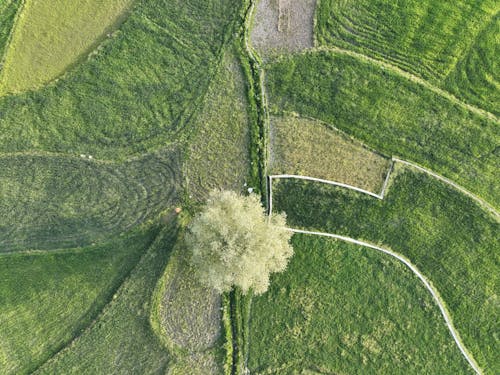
(51, 36)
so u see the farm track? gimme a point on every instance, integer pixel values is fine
(410, 76)
(434, 292)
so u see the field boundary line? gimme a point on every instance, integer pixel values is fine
(410, 76)
(449, 182)
(11, 33)
(434, 292)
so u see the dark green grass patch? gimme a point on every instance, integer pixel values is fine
(390, 114)
(445, 234)
(121, 341)
(136, 93)
(345, 309)
(421, 36)
(477, 75)
(46, 299)
(51, 202)
(8, 11)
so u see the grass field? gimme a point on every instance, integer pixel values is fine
(343, 309)
(121, 341)
(311, 148)
(137, 92)
(476, 77)
(218, 152)
(446, 235)
(390, 114)
(54, 202)
(47, 298)
(50, 37)
(423, 37)
(8, 12)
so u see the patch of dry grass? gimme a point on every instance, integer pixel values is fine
(311, 148)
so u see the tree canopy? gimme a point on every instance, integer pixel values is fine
(234, 243)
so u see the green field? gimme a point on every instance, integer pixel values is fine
(137, 93)
(311, 148)
(121, 339)
(50, 37)
(390, 114)
(439, 41)
(48, 298)
(446, 235)
(344, 309)
(8, 12)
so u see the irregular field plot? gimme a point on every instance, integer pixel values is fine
(135, 94)
(189, 317)
(283, 25)
(219, 149)
(445, 234)
(53, 202)
(421, 36)
(51, 36)
(390, 114)
(344, 309)
(121, 341)
(311, 148)
(46, 299)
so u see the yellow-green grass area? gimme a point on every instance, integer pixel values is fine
(345, 309)
(421, 36)
(476, 77)
(8, 11)
(137, 93)
(121, 340)
(51, 36)
(187, 317)
(218, 152)
(49, 202)
(390, 114)
(312, 148)
(451, 240)
(48, 298)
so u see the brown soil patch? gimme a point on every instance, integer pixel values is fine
(283, 25)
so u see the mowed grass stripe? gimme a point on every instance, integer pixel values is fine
(339, 308)
(445, 234)
(391, 114)
(51, 202)
(47, 299)
(50, 37)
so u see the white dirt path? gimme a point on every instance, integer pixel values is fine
(435, 294)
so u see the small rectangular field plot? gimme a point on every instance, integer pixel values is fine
(311, 148)
(283, 25)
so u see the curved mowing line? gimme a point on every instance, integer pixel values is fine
(410, 77)
(414, 269)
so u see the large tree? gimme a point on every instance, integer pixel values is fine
(234, 243)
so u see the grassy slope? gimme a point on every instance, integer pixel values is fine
(46, 299)
(8, 11)
(446, 235)
(52, 36)
(122, 341)
(53, 202)
(390, 114)
(343, 309)
(136, 94)
(311, 148)
(477, 76)
(218, 155)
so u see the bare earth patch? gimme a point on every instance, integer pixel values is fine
(283, 25)
(311, 148)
